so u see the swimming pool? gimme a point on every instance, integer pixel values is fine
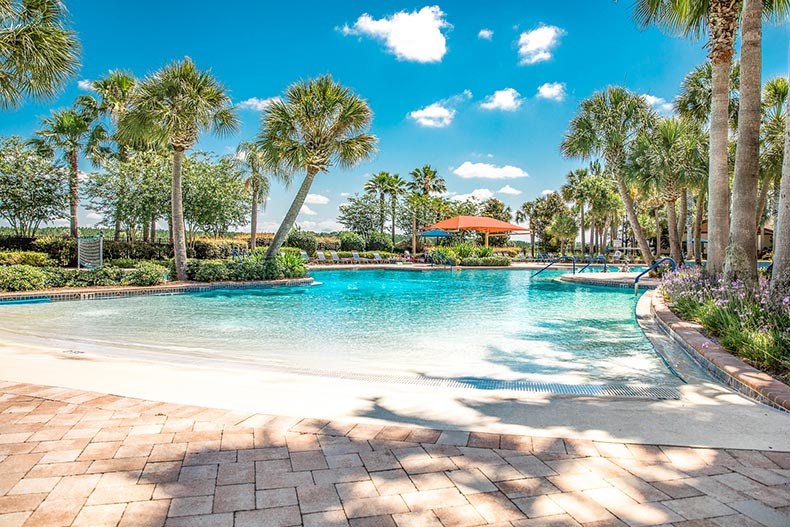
(488, 324)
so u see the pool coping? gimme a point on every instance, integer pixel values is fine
(175, 288)
(714, 359)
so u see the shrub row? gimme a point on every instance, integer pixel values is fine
(288, 266)
(29, 278)
(32, 258)
(488, 261)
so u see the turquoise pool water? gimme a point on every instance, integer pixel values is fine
(483, 323)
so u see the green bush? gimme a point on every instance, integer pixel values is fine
(208, 270)
(302, 240)
(31, 258)
(351, 241)
(146, 274)
(22, 278)
(126, 263)
(484, 252)
(206, 249)
(488, 261)
(293, 266)
(378, 241)
(62, 250)
(464, 250)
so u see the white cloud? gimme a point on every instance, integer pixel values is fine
(547, 192)
(536, 45)
(415, 36)
(307, 211)
(93, 216)
(658, 103)
(433, 116)
(321, 226)
(488, 171)
(254, 103)
(85, 84)
(507, 189)
(507, 100)
(552, 90)
(480, 194)
(316, 199)
(485, 34)
(345, 194)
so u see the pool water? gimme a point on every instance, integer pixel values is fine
(489, 324)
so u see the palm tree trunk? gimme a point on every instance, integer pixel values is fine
(382, 208)
(413, 234)
(780, 276)
(74, 196)
(153, 230)
(658, 233)
(394, 211)
(254, 216)
(699, 216)
(633, 220)
(683, 212)
(762, 200)
(146, 226)
(291, 215)
(718, 174)
(117, 234)
(581, 212)
(674, 240)
(177, 207)
(741, 258)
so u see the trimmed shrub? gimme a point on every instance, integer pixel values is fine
(146, 274)
(288, 266)
(303, 240)
(488, 261)
(464, 250)
(207, 270)
(22, 278)
(126, 263)
(484, 252)
(32, 258)
(378, 241)
(207, 249)
(62, 250)
(292, 265)
(351, 241)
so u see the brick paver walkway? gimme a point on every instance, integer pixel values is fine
(70, 457)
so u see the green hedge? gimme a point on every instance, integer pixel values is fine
(351, 241)
(32, 258)
(28, 278)
(488, 261)
(303, 240)
(288, 266)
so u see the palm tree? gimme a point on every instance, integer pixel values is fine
(319, 123)
(72, 132)
(695, 97)
(524, 214)
(395, 187)
(426, 181)
(564, 228)
(775, 97)
(574, 190)
(780, 276)
(174, 105)
(606, 125)
(248, 158)
(377, 184)
(39, 53)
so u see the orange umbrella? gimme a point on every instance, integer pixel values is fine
(477, 223)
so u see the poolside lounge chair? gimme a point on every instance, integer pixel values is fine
(337, 259)
(321, 257)
(305, 256)
(377, 258)
(358, 259)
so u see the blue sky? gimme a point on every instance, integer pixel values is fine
(483, 91)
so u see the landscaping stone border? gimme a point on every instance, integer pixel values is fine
(723, 365)
(94, 293)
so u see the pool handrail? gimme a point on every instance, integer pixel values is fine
(592, 261)
(643, 273)
(558, 259)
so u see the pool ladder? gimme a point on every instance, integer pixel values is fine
(559, 259)
(597, 258)
(643, 273)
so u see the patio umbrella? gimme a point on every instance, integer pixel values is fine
(484, 224)
(436, 233)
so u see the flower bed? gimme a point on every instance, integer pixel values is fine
(742, 318)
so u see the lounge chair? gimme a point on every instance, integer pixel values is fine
(321, 257)
(305, 256)
(377, 258)
(358, 259)
(337, 259)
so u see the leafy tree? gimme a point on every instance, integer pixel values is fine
(563, 227)
(494, 208)
(174, 105)
(606, 125)
(351, 241)
(395, 188)
(545, 209)
(316, 125)
(32, 187)
(73, 132)
(574, 190)
(524, 215)
(249, 158)
(39, 52)
(360, 214)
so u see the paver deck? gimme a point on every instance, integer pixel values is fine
(71, 457)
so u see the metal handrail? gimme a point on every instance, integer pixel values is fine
(600, 257)
(558, 259)
(643, 273)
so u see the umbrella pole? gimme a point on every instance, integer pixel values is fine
(486, 238)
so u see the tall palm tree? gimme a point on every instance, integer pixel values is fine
(524, 214)
(605, 126)
(780, 276)
(377, 184)
(395, 187)
(73, 132)
(694, 100)
(39, 52)
(426, 181)
(174, 105)
(248, 157)
(574, 190)
(564, 228)
(775, 97)
(319, 123)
